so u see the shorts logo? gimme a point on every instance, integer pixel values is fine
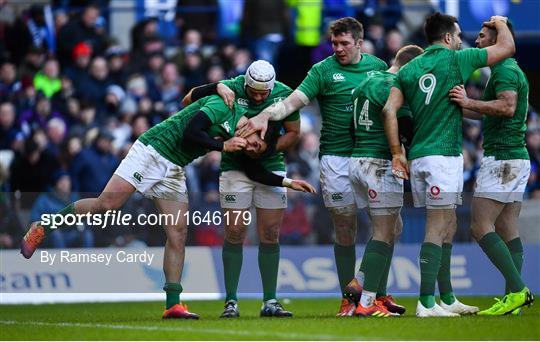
(283, 199)
(338, 196)
(230, 198)
(435, 191)
(137, 176)
(338, 77)
(372, 193)
(243, 102)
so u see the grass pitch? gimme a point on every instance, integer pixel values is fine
(314, 320)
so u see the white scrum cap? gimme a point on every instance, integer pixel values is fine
(260, 75)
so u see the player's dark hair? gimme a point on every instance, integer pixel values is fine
(345, 25)
(437, 25)
(407, 53)
(493, 32)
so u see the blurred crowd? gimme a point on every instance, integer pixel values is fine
(73, 100)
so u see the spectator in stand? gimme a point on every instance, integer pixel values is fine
(203, 20)
(375, 33)
(31, 65)
(240, 62)
(113, 100)
(56, 131)
(86, 124)
(66, 102)
(94, 88)
(9, 84)
(265, 26)
(215, 74)
(10, 135)
(38, 116)
(393, 42)
(139, 33)
(30, 30)
(78, 71)
(170, 88)
(70, 148)
(93, 167)
(24, 177)
(117, 67)
(152, 74)
(193, 71)
(139, 125)
(51, 202)
(79, 30)
(47, 80)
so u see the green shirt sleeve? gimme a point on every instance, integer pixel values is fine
(469, 60)
(234, 84)
(313, 84)
(505, 79)
(216, 110)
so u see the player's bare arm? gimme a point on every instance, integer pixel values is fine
(276, 112)
(505, 47)
(291, 136)
(400, 168)
(503, 106)
(210, 89)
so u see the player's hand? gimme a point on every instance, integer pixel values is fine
(459, 96)
(234, 144)
(400, 168)
(226, 94)
(256, 123)
(302, 185)
(492, 21)
(499, 18)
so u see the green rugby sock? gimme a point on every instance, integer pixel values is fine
(515, 247)
(381, 291)
(499, 255)
(374, 264)
(172, 291)
(345, 262)
(232, 256)
(268, 267)
(443, 278)
(430, 262)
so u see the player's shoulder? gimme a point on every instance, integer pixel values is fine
(281, 88)
(506, 65)
(375, 60)
(326, 64)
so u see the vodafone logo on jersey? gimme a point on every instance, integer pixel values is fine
(372, 193)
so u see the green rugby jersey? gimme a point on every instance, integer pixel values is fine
(167, 137)
(332, 84)
(504, 138)
(276, 161)
(425, 82)
(369, 99)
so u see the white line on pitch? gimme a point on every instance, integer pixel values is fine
(183, 328)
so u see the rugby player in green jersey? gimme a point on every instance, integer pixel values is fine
(154, 166)
(254, 91)
(331, 82)
(376, 188)
(504, 172)
(437, 163)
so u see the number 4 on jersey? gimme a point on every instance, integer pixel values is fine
(363, 117)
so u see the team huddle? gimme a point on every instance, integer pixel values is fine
(380, 125)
